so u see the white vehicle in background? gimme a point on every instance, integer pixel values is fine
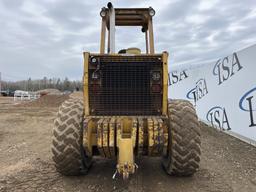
(25, 95)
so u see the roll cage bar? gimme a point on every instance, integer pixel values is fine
(112, 17)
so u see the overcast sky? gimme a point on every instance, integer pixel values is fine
(47, 37)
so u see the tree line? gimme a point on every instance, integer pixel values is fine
(39, 84)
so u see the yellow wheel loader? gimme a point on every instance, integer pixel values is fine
(125, 112)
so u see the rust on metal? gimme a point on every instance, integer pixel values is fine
(140, 136)
(150, 124)
(112, 127)
(100, 137)
(105, 140)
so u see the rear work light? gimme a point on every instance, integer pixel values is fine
(94, 60)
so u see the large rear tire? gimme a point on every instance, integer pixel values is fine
(184, 146)
(68, 153)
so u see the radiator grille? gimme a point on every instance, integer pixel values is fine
(125, 87)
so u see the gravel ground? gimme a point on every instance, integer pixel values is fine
(25, 161)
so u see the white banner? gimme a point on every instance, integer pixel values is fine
(223, 92)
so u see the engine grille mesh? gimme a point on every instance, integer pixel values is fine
(125, 87)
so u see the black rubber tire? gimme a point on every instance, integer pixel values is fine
(184, 146)
(68, 154)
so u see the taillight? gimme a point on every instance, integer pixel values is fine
(95, 88)
(156, 88)
(156, 78)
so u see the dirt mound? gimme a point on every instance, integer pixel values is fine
(77, 94)
(49, 92)
(47, 101)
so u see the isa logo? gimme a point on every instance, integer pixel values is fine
(218, 116)
(227, 67)
(199, 91)
(175, 77)
(247, 103)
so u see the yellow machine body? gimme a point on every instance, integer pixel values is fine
(109, 130)
(126, 112)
